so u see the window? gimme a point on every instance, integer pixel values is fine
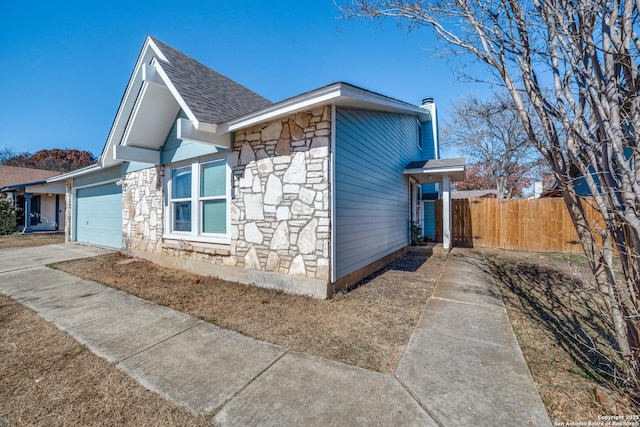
(198, 201)
(181, 198)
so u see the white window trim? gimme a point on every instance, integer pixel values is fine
(196, 235)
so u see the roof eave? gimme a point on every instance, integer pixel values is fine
(336, 93)
(73, 174)
(443, 171)
(26, 184)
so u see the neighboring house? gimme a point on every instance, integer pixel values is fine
(474, 194)
(308, 195)
(579, 182)
(44, 202)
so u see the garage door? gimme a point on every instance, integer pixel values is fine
(99, 215)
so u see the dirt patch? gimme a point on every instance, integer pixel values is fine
(561, 324)
(17, 240)
(48, 379)
(367, 327)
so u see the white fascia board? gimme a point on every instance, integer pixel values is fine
(335, 94)
(286, 107)
(156, 49)
(366, 96)
(176, 94)
(135, 154)
(187, 131)
(72, 174)
(149, 50)
(434, 171)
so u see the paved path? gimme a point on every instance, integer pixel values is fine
(462, 366)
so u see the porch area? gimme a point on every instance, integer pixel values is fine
(40, 206)
(443, 172)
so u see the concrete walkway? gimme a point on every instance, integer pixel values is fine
(462, 367)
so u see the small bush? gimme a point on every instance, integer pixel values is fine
(7, 217)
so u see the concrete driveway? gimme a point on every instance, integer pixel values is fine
(17, 259)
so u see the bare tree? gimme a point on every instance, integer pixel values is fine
(575, 63)
(490, 134)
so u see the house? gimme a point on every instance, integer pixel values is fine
(474, 194)
(29, 191)
(308, 195)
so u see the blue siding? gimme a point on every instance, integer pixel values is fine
(372, 194)
(98, 215)
(100, 175)
(428, 151)
(175, 150)
(428, 147)
(135, 166)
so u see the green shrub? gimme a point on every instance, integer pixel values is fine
(7, 217)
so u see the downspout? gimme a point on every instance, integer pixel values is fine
(332, 198)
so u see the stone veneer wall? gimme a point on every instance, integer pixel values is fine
(280, 209)
(142, 210)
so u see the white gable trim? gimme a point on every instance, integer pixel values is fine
(147, 72)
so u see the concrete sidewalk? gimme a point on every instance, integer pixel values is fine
(462, 366)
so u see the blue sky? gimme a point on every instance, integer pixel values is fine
(64, 65)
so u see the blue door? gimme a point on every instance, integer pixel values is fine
(429, 223)
(99, 215)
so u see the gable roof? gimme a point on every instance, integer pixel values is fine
(12, 175)
(165, 81)
(211, 97)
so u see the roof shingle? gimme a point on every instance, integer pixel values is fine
(12, 175)
(212, 97)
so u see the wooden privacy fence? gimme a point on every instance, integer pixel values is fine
(540, 225)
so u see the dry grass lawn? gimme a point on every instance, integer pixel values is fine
(48, 379)
(17, 240)
(560, 322)
(368, 327)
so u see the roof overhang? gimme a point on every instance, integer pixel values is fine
(432, 171)
(19, 186)
(339, 94)
(147, 112)
(78, 172)
(36, 187)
